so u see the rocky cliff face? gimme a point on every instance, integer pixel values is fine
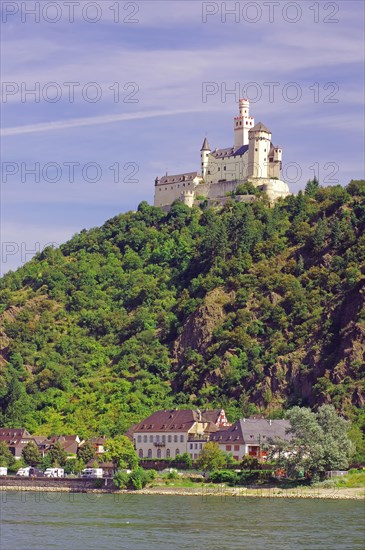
(305, 375)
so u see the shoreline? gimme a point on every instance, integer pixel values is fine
(221, 491)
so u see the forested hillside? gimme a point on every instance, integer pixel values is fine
(247, 307)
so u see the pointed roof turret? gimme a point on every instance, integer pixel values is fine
(205, 146)
(259, 127)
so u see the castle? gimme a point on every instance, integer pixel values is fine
(253, 158)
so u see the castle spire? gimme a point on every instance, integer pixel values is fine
(205, 146)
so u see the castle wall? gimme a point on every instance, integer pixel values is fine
(229, 168)
(167, 193)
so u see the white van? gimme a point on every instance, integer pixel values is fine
(94, 473)
(25, 472)
(54, 472)
(3, 471)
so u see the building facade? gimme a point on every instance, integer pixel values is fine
(249, 436)
(168, 433)
(253, 158)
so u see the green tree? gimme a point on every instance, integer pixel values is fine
(74, 466)
(7, 460)
(86, 451)
(211, 457)
(320, 442)
(31, 454)
(312, 187)
(57, 454)
(120, 450)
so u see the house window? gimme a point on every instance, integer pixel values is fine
(181, 439)
(191, 445)
(175, 438)
(144, 439)
(139, 438)
(195, 456)
(200, 445)
(169, 438)
(149, 453)
(236, 448)
(168, 453)
(163, 439)
(177, 452)
(158, 453)
(157, 438)
(228, 447)
(196, 445)
(140, 453)
(236, 457)
(151, 438)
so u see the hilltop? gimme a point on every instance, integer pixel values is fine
(248, 307)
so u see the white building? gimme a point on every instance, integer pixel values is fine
(168, 433)
(253, 158)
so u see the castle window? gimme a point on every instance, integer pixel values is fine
(256, 149)
(246, 122)
(208, 173)
(271, 159)
(241, 123)
(225, 168)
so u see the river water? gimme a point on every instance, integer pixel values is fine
(41, 520)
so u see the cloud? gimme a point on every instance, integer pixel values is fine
(90, 121)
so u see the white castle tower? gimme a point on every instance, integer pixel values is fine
(242, 124)
(258, 151)
(204, 157)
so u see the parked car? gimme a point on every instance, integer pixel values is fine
(54, 472)
(3, 471)
(92, 473)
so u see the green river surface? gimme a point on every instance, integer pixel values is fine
(42, 520)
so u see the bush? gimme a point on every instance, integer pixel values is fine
(121, 479)
(184, 458)
(224, 476)
(139, 478)
(250, 463)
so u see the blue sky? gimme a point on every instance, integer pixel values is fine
(160, 55)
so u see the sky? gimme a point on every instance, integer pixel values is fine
(100, 97)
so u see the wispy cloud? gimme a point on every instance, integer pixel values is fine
(90, 121)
